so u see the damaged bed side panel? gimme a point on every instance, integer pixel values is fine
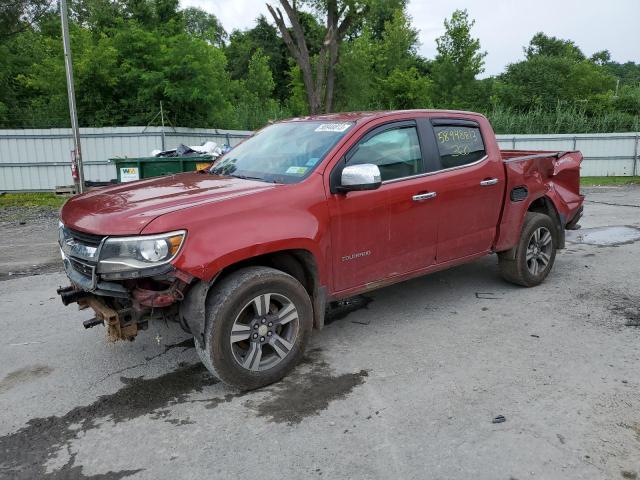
(554, 176)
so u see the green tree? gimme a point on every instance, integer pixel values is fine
(383, 73)
(256, 105)
(628, 73)
(375, 16)
(356, 77)
(554, 71)
(263, 36)
(259, 81)
(131, 54)
(601, 58)
(458, 62)
(19, 15)
(318, 74)
(204, 25)
(547, 46)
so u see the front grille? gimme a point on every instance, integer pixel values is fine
(85, 238)
(82, 268)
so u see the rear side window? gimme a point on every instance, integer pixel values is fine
(458, 145)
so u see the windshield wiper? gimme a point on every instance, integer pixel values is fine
(243, 177)
(247, 177)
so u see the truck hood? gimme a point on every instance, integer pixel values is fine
(125, 209)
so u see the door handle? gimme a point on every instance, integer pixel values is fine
(424, 196)
(489, 182)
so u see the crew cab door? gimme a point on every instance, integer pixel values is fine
(392, 230)
(470, 182)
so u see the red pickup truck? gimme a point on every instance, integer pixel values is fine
(246, 254)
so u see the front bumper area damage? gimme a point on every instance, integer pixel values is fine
(121, 324)
(134, 304)
(123, 303)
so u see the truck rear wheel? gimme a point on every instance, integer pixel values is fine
(535, 253)
(259, 321)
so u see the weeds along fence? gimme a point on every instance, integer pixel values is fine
(37, 160)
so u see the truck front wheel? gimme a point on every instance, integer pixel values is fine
(531, 261)
(258, 323)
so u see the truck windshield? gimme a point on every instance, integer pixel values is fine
(282, 153)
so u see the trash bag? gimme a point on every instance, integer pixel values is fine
(207, 148)
(184, 151)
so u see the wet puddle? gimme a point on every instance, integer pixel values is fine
(25, 452)
(23, 375)
(628, 308)
(604, 236)
(307, 391)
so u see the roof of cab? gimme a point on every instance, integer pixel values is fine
(360, 116)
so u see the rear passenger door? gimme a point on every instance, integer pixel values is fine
(470, 184)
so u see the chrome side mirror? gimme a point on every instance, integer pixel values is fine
(365, 176)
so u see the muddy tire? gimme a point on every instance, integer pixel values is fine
(535, 253)
(258, 324)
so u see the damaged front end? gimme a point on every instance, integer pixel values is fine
(126, 281)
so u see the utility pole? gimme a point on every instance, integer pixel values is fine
(77, 157)
(162, 121)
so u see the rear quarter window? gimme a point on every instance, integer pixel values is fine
(458, 145)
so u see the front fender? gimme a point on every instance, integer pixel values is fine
(290, 217)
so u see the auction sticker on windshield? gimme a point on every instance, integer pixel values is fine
(297, 170)
(332, 127)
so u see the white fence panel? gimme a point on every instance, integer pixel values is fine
(605, 154)
(40, 159)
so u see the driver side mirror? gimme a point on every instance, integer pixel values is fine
(365, 176)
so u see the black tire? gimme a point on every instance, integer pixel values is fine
(230, 302)
(514, 265)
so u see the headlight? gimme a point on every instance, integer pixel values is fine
(122, 254)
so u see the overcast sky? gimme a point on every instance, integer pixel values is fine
(503, 26)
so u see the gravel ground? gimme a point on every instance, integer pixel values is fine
(28, 244)
(403, 383)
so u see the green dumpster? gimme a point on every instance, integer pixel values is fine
(130, 169)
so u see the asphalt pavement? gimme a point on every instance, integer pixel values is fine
(404, 383)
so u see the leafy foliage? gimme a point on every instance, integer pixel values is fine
(458, 63)
(382, 73)
(130, 55)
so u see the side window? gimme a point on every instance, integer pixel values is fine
(396, 152)
(458, 145)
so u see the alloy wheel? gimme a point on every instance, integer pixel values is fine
(264, 332)
(539, 250)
